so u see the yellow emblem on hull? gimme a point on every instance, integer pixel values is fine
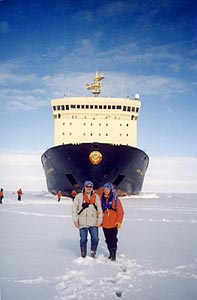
(95, 157)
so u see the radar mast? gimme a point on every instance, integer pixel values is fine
(96, 86)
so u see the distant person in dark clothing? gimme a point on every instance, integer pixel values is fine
(1, 196)
(19, 193)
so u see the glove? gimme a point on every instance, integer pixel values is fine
(118, 225)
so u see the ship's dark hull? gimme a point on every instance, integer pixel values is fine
(68, 166)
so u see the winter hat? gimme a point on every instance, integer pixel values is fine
(110, 186)
(88, 182)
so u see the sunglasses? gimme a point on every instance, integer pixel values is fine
(89, 186)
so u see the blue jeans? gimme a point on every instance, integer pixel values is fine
(93, 230)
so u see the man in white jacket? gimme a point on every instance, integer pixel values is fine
(87, 216)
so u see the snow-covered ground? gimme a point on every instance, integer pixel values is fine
(157, 251)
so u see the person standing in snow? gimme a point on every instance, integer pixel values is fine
(1, 196)
(113, 214)
(87, 216)
(59, 195)
(19, 193)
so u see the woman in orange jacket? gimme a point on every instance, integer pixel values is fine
(113, 214)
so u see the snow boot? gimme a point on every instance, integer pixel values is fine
(93, 254)
(83, 252)
(110, 251)
(113, 255)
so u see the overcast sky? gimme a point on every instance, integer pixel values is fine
(52, 48)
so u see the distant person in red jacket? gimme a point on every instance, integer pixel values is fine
(112, 218)
(59, 195)
(19, 193)
(1, 196)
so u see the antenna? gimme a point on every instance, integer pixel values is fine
(96, 86)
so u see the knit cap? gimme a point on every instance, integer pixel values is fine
(88, 182)
(110, 186)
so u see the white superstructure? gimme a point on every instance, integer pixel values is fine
(96, 119)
